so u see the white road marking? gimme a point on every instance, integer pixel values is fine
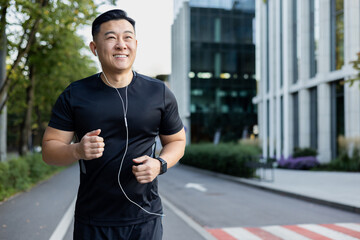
(196, 186)
(327, 232)
(65, 222)
(352, 226)
(284, 233)
(241, 233)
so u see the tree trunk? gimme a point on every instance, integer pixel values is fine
(26, 131)
(3, 112)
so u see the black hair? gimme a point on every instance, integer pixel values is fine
(115, 14)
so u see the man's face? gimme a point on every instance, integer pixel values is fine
(116, 45)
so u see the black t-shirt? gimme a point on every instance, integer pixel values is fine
(90, 104)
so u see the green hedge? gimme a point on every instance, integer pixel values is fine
(223, 158)
(21, 173)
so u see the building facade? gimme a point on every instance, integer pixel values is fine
(213, 67)
(303, 54)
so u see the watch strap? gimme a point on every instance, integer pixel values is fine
(163, 167)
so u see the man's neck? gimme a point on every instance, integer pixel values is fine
(119, 80)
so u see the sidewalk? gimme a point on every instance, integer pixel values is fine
(336, 189)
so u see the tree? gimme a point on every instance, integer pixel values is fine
(49, 54)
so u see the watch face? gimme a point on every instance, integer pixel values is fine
(163, 165)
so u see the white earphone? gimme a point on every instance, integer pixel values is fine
(96, 53)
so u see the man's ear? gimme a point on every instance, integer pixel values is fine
(92, 46)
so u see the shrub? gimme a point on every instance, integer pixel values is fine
(21, 173)
(304, 152)
(223, 158)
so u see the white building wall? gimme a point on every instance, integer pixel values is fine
(322, 80)
(180, 68)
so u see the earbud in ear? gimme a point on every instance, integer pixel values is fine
(96, 53)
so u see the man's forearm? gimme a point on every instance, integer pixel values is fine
(59, 153)
(173, 152)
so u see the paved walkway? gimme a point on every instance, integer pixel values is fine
(336, 189)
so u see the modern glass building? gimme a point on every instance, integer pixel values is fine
(213, 67)
(304, 50)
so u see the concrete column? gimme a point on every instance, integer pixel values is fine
(324, 123)
(264, 74)
(325, 39)
(259, 66)
(288, 55)
(304, 118)
(324, 95)
(278, 90)
(272, 76)
(304, 69)
(179, 79)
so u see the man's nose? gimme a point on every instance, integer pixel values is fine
(120, 44)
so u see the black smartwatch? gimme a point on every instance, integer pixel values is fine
(163, 168)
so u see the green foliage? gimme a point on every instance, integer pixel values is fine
(56, 57)
(348, 158)
(223, 158)
(304, 152)
(20, 174)
(356, 66)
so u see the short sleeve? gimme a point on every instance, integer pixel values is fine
(62, 116)
(170, 120)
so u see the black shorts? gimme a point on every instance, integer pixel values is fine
(151, 230)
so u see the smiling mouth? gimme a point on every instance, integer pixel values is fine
(120, 56)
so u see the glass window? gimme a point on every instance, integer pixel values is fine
(217, 25)
(298, 36)
(315, 36)
(313, 118)
(295, 41)
(217, 66)
(337, 34)
(295, 120)
(337, 115)
(222, 69)
(267, 49)
(282, 125)
(281, 43)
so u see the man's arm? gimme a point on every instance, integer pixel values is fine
(173, 147)
(58, 150)
(172, 152)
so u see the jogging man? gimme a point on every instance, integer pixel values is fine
(115, 116)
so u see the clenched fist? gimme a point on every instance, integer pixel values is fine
(91, 146)
(148, 169)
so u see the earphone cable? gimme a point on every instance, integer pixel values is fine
(126, 146)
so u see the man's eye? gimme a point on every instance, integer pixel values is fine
(111, 37)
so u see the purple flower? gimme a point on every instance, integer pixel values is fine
(301, 163)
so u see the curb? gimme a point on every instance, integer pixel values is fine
(248, 182)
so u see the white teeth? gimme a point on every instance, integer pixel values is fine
(120, 56)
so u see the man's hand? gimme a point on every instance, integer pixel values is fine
(148, 169)
(91, 146)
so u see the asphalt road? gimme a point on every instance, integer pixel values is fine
(229, 204)
(196, 200)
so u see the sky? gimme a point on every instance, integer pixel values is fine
(153, 31)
